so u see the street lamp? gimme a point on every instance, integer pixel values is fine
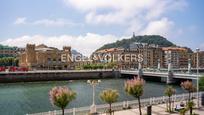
(197, 51)
(169, 64)
(93, 83)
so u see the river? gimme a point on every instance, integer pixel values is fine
(22, 98)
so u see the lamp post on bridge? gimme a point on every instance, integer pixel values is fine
(197, 66)
(189, 65)
(169, 64)
(159, 65)
(93, 83)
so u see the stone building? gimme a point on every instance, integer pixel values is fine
(44, 57)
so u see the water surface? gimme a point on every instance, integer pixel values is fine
(22, 98)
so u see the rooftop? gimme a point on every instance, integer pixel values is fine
(174, 48)
(109, 50)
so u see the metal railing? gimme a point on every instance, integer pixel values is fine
(163, 74)
(121, 105)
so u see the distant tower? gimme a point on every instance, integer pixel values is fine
(30, 54)
(67, 51)
(133, 35)
(67, 48)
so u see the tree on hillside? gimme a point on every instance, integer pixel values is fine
(149, 39)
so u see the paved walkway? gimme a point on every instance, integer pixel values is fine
(156, 110)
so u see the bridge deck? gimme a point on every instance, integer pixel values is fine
(162, 74)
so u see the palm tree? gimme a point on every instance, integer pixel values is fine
(201, 83)
(190, 106)
(169, 91)
(61, 96)
(134, 87)
(109, 96)
(188, 86)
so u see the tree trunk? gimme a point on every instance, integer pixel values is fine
(189, 96)
(62, 111)
(191, 110)
(139, 106)
(110, 110)
(169, 104)
(173, 105)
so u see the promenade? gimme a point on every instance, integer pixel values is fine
(157, 110)
(158, 107)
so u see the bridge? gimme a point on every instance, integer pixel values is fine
(168, 77)
(192, 70)
(49, 75)
(162, 74)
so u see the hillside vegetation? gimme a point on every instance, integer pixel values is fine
(150, 39)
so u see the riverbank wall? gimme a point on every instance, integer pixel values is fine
(57, 75)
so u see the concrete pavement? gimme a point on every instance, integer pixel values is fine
(156, 110)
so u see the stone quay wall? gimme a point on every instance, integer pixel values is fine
(33, 76)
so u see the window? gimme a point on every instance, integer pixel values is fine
(48, 59)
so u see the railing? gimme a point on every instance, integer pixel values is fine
(163, 74)
(56, 71)
(121, 105)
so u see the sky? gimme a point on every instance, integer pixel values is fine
(86, 25)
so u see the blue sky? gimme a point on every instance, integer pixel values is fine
(87, 24)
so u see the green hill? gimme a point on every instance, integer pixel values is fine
(150, 39)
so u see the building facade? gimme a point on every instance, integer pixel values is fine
(6, 51)
(200, 56)
(154, 56)
(44, 57)
(177, 56)
(146, 54)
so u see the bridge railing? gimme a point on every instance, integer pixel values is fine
(159, 73)
(121, 105)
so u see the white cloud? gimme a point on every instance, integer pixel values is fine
(160, 27)
(163, 27)
(201, 46)
(85, 44)
(56, 22)
(135, 15)
(20, 20)
(60, 22)
(122, 11)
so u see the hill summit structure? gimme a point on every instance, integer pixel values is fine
(44, 57)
